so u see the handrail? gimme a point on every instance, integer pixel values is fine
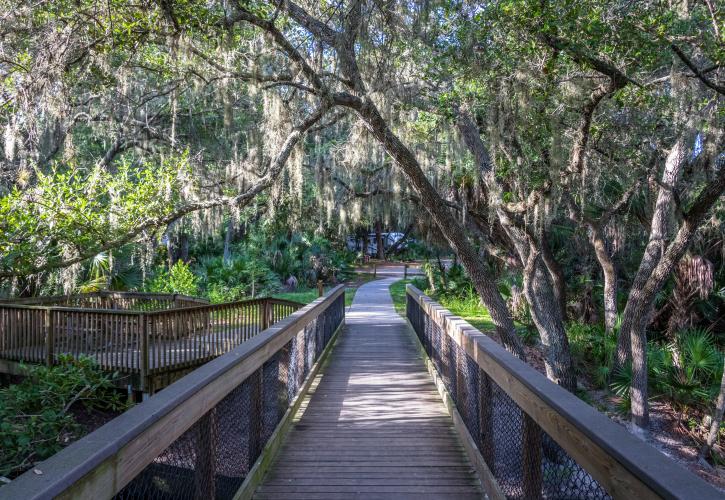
(624, 465)
(201, 306)
(40, 301)
(147, 343)
(100, 464)
(285, 302)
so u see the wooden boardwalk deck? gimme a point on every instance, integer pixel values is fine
(374, 426)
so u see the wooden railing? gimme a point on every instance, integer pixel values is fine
(132, 301)
(135, 341)
(536, 439)
(202, 436)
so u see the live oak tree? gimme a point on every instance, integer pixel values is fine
(503, 123)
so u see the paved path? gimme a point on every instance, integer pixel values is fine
(375, 426)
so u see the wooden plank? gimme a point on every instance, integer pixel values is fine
(143, 336)
(372, 412)
(490, 485)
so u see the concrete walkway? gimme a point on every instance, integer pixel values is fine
(375, 426)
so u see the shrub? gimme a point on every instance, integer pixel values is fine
(686, 372)
(35, 415)
(593, 350)
(240, 277)
(179, 279)
(699, 354)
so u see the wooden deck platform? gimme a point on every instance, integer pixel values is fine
(149, 348)
(163, 355)
(375, 425)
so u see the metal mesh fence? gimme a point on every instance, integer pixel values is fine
(212, 458)
(525, 460)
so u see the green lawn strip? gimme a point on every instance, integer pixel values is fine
(397, 291)
(307, 295)
(469, 310)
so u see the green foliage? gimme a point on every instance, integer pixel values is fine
(100, 276)
(700, 355)
(77, 208)
(262, 263)
(593, 350)
(686, 373)
(36, 418)
(621, 385)
(179, 279)
(308, 259)
(308, 295)
(415, 250)
(397, 292)
(242, 276)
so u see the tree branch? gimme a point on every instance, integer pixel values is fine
(699, 74)
(151, 224)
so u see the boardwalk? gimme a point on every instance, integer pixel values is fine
(375, 426)
(150, 343)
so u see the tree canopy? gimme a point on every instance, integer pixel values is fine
(575, 147)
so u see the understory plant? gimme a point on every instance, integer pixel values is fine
(37, 415)
(686, 373)
(178, 279)
(593, 350)
(240, 277)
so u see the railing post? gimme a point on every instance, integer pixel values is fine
(320, 289)
(206, 444)
(531, 457)
(49, 337)
(143, 352)
(405, 272)
(266, 314)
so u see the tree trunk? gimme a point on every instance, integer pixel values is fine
(655, 245)
(557, 275)
(609, 272)
(184, 250)
(442, 270)
(449, 226)
(543, 301)
(228, 235)
(546, 315)
(641, 298)
(379, 239)
(716, 420)
(170, 254)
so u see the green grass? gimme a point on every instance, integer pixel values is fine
(468, 309)
(471, 310)
(397, 291)
(306, 296)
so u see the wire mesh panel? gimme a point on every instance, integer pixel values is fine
(525, 460)
(213, 457)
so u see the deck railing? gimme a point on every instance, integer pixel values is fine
(538, 440)
(132, 301)
(138, 342)
(201, 436)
